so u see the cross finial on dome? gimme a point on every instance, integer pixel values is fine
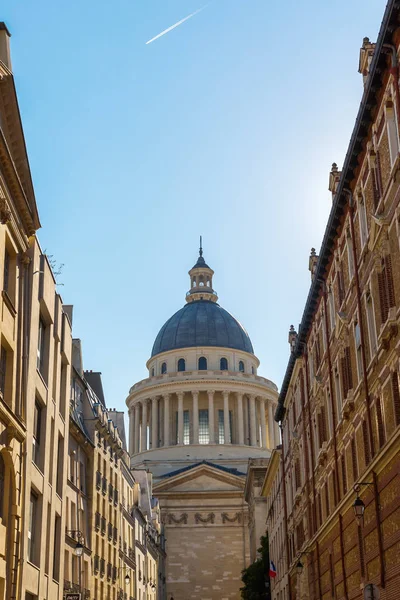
(201, 247)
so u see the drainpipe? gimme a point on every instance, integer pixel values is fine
(285, 510)
(360, 319)
(312, 466)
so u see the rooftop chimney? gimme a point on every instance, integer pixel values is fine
(334, 178)
(5, 55)
(312, 263)
(292, 338)
(366, 53)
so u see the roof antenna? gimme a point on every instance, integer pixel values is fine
(201, 247)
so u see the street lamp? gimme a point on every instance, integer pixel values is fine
(299, 567)
(75, 533)
(359, 508)
(127, 579)
(79, 549)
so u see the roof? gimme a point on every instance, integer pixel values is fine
(202, 323)
(94, 380)
(201, 264)
(364, 119)
(231, 471)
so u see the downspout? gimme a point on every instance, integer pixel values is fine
(285, 511)
(312, 467)
(360, 319)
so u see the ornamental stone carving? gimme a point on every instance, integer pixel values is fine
(200, 519)
(177, 520)
(237, 518)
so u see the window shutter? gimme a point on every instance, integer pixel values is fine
(297, 474)
(323, 424)
(382, 297)
(379, 174)
(396, 397)
(348, 368)
(391, 300)
(375, 187)
(367, 454)
(379, 422)
(345, 383)
(320, 436)
(327, 499)
(354, 459)
(344, 477)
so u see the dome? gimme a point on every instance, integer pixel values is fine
(202, 323)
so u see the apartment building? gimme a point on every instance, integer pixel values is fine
(339, 405)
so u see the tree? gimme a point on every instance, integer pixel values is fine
(256, 576)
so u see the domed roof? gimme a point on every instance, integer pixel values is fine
(202, 323)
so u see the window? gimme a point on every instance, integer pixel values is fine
(204, 435)
(221, 432)
(181, 364)
(376, 177)
(367, 452)
(163, 368)
(379, 422)
(59, 466)
(350, 256)
(57, 548)
(32, 541)
(3, 367)
(241, 366)
(396, 397)
(386, 288)
(37, 425)
(357, 340)
(223, 364)
(6, 278)
(152, 372)
(392, 133)
(338, 393)
(340, 284)
(202, 364)
(362, 217)
(186, 427)
(332, 312)
(2, 485)
(371, 323)
(347, 375)
(41, 346)
(253, 371)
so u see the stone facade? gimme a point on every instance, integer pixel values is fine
(340, 403)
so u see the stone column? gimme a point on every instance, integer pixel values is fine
(263, 423)
(253, 436)
(154, 422)
(180, 418)
(276, 429)
(131, 431)
(144, 425)
(195, 417)
(166, 419)
(211, 427)
(240, 418)
(136, 443)
(271, 426)
(226, 418)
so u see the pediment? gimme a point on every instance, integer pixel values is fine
(201, 479)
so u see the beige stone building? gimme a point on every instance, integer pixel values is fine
(340, 402)
(34, 377)
(194, 423)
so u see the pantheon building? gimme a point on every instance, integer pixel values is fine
(194, 422)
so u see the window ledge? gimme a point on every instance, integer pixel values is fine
(42, 378)
(388, 329)
(348, 405)
(9, 303)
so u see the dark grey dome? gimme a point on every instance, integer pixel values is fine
(202, 323)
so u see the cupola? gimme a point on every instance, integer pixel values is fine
(201, 280)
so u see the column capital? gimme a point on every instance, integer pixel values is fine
(252, 396)
(225, 393)
(195, 394)
(211, 392)
(166, 396)
(180, 395)
(239, 394)
(154, 398)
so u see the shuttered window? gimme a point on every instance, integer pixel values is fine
(367, 453)
(340, 284)
(347, 375)
(354, 460)
(297, 475)
(386, 288)
(379, 422)
(344, 475)
(396, 397)
(377, 180)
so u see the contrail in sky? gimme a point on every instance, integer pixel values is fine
(176, 24)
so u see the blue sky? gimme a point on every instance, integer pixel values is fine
(225, 127)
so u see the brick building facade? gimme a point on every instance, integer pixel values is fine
(339, 405)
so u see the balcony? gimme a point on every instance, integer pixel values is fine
(114, 574)
(120, 595)
(102, 567)
(96, 563)
(125, 548)
(110, 531)
(110, 492)
(109, 571)
(104, 486)
(116, 497)
(98, 480)
(131, 553)
(67, 584)
(115, 535)
(86, 594)
(97, 519)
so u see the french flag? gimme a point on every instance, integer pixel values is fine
(272, 569)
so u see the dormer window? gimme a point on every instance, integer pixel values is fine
(181, 364)
(223, 364)
(163, 368)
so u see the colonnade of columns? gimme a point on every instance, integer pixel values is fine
(151, 426)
